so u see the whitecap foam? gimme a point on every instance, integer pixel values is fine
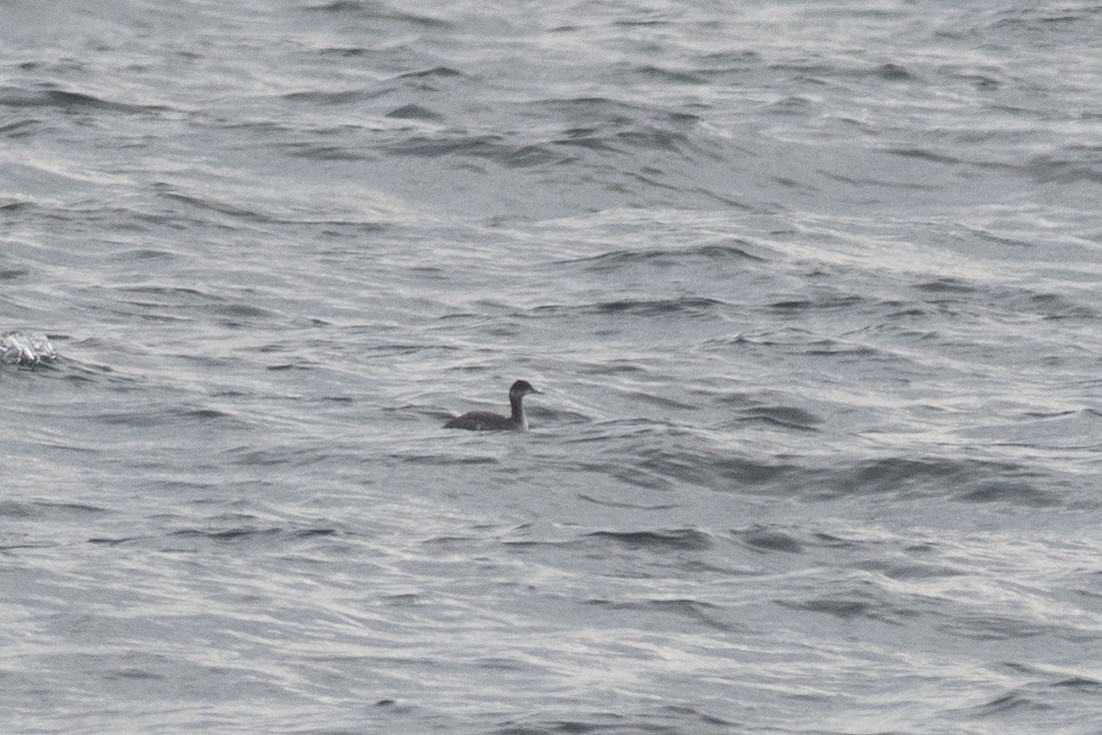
(17, 348)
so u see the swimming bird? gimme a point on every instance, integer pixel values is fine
(487, 421)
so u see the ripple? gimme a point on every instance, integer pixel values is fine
(682, 539)
(766, 539)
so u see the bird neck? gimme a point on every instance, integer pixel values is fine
(518, 412)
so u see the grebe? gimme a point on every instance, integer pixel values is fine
(486, 421)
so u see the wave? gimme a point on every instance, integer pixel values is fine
(688, 306)
(684, 539)
(710, 253)
(65, 100)
(17, 348)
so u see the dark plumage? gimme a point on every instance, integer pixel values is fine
(487, 421)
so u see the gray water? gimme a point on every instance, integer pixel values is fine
(811, 291)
